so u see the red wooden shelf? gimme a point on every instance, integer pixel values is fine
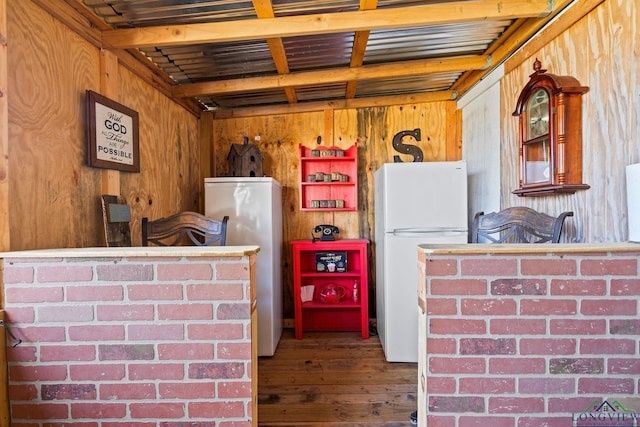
(345, 315)
(317, 194)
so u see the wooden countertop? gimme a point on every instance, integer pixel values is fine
(477, 248)
(138, 251)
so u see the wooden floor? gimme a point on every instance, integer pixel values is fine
(334, 379)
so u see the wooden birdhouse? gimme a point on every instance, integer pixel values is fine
(245, 160)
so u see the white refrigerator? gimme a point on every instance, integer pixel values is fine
(254, 206)
(415, 203)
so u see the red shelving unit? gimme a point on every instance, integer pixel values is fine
(346, 315)
(341, 166)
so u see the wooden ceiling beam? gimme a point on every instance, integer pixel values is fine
(327, 23)
(264, 10)
(334, 75)
(306, 107)
(360, 41)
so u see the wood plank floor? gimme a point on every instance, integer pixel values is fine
(334, 379)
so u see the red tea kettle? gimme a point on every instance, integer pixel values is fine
(332, 294)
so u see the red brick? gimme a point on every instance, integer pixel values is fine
(518, 286)
(576, 366)
(224, 331)
(456, 404)
(157, 410)
(95, 333)
(96, 372)
(156, 371)
(125, 273)
(192, 311)
(609, 267)
(467, 421)
(40, 334)
(625, 287)
(543, 421)
(567, 405)
(225, 350)
(98, 410)
(49, 353)
(187, 390)
(517, 326)
(125, 352)
(448, 365)
(488, 307)
(549, 346)
(516, 405)
(20, 315)
(487, 385)
(547, 307)
(547, 267)
(38, 411)
(488, 267)
(181, 272)
(624, 366)
(457, 287)
(127, 391)
(624, 327)
(546, 386)
(215, 292)
(146, 332)
(95, 293)
(441, 267)
(150, 292)
(22, 392)
(216, 370)
(441, 421)
(439, 326)
(488, 346)
(185, 351)
(442, 306)
(441, 385)
(22, 353)
(14, 274)
(234, 390)
(517, 365)
(217, 410)
(596, 287)
(68, 391)
(64, 274)
(609, 307)
(125, 312)
(607, 346)
(577, 326)
(37, 373)
(231, 271)
(441, 346)
(233, 311)
(604, 386)
(67, 313)
(34, 294)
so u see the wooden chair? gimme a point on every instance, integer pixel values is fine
(184, 228)
(116, 216)
(517, 225)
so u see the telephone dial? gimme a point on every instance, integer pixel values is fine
(326, 231)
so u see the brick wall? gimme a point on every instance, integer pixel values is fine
(135, 341)
(527, 339)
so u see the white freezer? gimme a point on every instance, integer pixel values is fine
(415, 203)
(254, 206)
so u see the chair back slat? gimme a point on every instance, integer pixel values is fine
(517, 224)
(184, 228)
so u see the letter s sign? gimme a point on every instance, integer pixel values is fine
(413, 150)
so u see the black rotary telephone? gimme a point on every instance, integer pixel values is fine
(326, 231)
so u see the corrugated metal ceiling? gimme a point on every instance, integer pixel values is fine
(210, 62)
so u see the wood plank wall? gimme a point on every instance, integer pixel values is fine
(372, 128)
(601, 50)
(54, 195)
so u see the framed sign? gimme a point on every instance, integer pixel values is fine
(112, 134)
